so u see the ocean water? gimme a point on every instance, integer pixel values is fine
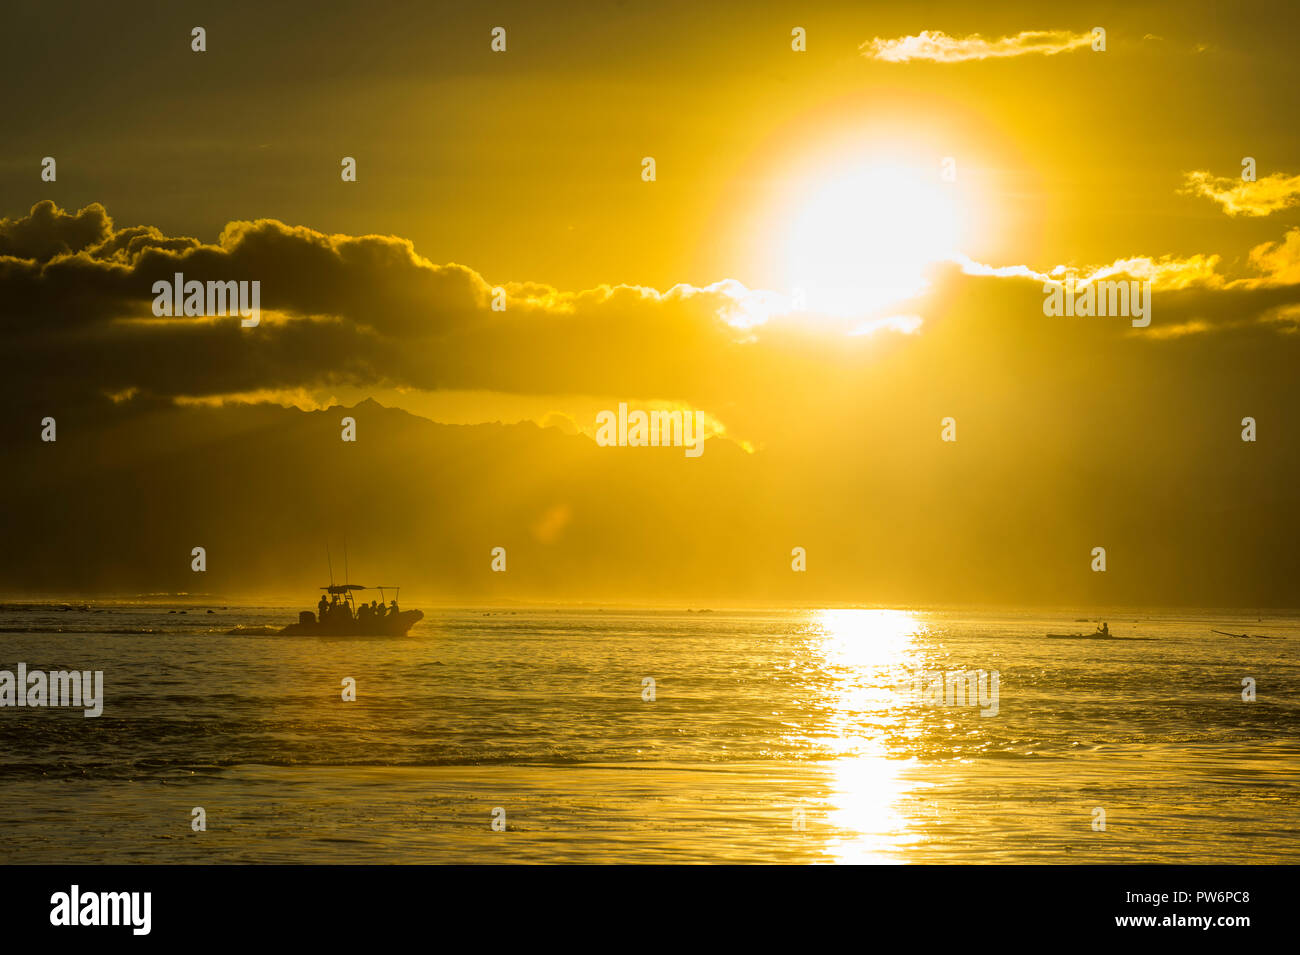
(789, 737)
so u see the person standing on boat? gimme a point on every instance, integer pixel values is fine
(321, 608)
(392, 608)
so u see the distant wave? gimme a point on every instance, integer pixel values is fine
(126, 631)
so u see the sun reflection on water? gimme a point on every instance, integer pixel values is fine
(867, 652)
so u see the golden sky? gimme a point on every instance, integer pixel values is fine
(801, 271)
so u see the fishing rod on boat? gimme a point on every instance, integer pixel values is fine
(347, 580)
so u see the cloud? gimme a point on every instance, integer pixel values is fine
(348, 314)
(76, 297)
(938, 47)
(1278, 261)
(1165, 272)
(1194, 295)
(1261, 198)
(48, 231)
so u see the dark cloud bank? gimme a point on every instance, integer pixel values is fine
(1072, 434)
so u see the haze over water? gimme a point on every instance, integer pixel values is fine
(760, 721)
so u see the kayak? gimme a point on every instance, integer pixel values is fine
(1093, 636)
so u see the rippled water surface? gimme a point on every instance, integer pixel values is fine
(771, 737)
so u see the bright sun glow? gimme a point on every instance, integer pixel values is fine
(865, 240)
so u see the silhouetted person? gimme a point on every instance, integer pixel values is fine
(321, 608)
(392, 608)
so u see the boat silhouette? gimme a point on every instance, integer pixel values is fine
(1093, 636)
(346, 617)
(1101, 633)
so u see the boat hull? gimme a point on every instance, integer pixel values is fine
(392, 625)
(1093, 636)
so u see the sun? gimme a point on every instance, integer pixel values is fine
(862, 240)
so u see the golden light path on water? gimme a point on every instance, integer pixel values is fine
(870, 653)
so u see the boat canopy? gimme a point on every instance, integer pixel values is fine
(344, 588)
